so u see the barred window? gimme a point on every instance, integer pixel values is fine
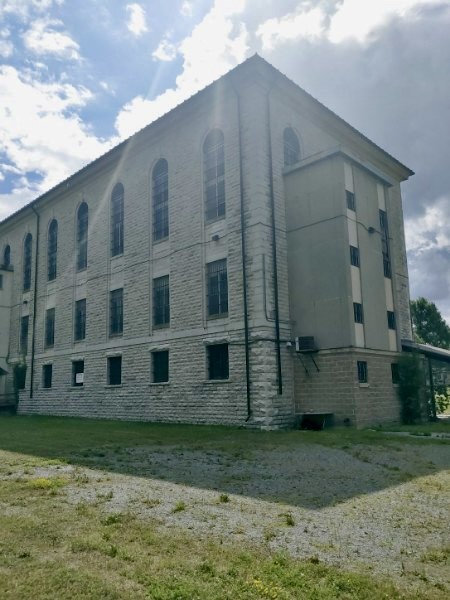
(116, 312)
(80, 320)
(78, 373)
(24, 322)
(161, 301)
(354, 256)
(217, 288)
(52, 250)
(27, 253)
(391, 319)
(385, 244)
(7, 256)
(47, 373)
(50, 328)
(214, 173)
(362, 371)
(358, 312)
(351, 202)
(114, 370)
(160, 366)
(117, 217)
(218, 362)
(82, 236)
(291, 147)
(160, 196)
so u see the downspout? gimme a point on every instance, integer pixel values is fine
(244, 260)
(34, 300)
(274, 251)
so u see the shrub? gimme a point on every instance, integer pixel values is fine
(411, 387)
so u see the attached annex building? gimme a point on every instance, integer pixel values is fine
(240, 260)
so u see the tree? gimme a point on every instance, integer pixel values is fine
(428, 325)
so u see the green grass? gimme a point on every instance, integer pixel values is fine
(50, 548)
(440, 426)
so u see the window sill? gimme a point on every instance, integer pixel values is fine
(162, 326)
(158, 383)
(364, 385)
(214, 219)
(76, 387)
(115, 335)
(210, 381)
(112, 385)
(160, 240)
(215, 317)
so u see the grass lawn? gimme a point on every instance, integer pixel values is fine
(60, 540)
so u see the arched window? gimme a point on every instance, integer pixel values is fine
(27, 252)
(214, 169)
(117, 220)
(82, 236)
(160, 197)
(7, 256)
(52, 249)
(291, 147)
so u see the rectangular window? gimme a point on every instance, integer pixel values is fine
(80, 320)
(218, 365)
(161, 302)
(395, 373)
(354, 256)
(1, 282)
(114, 370)
(50, 328)
(362, 371)
(217, 282)
(24, 321)
(391, 319)
(78, 373)
(358, 312)
(47, 372)
(351, 203)
(385, 244)
(160, 366)
(116, 312)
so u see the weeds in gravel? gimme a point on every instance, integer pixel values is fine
(224, 498)
(179, 506)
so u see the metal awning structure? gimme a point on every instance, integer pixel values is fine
(431, 352)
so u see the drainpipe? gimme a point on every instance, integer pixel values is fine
(244, 259)
(274, 250)
(36, 262)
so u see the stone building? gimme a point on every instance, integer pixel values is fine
(240, 260)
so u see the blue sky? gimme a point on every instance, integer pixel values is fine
(78, 77)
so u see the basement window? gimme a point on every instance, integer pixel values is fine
(47, 373)
(78, 373)
(114, 370)
(218, 362)
(362, 371)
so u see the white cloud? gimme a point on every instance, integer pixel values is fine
(350, 19)
(6, 46)
(136, 23)
(226, 39)
(166, 51)
(186, 9)
(43, 38)
(41, 132)
(24, 8)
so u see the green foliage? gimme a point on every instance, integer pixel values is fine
(411, 387)
(442, 399)
(428, 325)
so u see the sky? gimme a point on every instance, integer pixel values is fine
(76, 78)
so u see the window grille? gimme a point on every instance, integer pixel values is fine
(351, 202)
(117, 218)
(362, 371)
(291, 147)
(354, 256)
(27, 253)
(161, 301)
(80, 320)
(214, 174)
(160, 196)
(116, 312)
(50, 328)
(217, 282)
(82, 236)
(391, 319)
(385, 244)
(358, 312)
(52, 250)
